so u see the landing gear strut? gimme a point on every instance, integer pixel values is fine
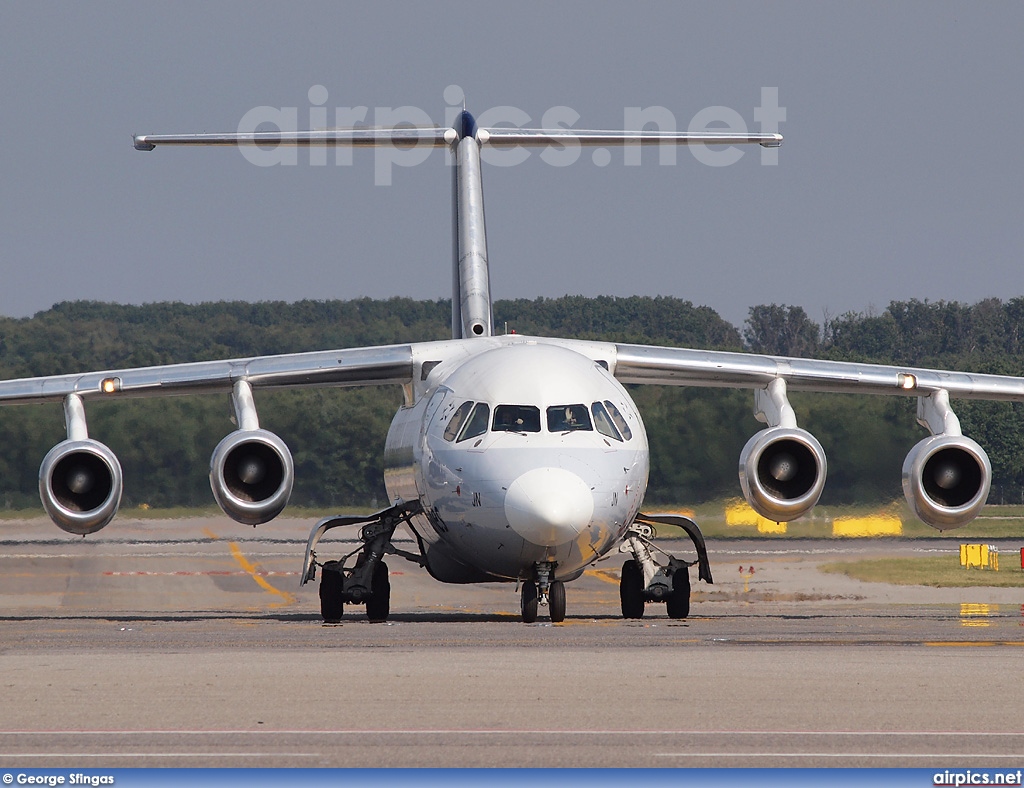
(367, 582)
(542, 591)
(644, 580)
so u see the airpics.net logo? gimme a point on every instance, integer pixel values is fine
(767, 118)
(968, 777)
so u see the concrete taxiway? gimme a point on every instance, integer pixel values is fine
(190, 643)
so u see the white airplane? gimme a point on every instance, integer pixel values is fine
(513, 458)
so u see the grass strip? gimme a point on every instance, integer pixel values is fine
(935, 571)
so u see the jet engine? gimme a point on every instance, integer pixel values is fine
(251, 473)
(946, 480)
(80, 485)
(782, 472)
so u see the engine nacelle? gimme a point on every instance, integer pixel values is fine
(946, 480)
(251, 473)
(782, 472)
(80, 485)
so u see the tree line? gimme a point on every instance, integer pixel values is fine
(337, 435)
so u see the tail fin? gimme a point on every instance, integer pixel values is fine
(471, 290)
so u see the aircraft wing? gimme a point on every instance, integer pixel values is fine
(685, 367)
(251, 470)
(946, 476)
(347, 367)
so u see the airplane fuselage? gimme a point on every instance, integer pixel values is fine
(523, 453)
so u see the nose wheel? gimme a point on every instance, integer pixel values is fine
(543, 592)
(556, 602)
(529, 602)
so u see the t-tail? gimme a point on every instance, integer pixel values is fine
(471, 290)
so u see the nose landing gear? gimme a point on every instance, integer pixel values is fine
(542, 591)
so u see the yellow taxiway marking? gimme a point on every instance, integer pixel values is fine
(607, 575)
(251, 569)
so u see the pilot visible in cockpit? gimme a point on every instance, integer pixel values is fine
(568, 418)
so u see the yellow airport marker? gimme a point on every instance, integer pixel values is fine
(739, 513)
(872, 525)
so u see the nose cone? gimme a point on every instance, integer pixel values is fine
(549, 506)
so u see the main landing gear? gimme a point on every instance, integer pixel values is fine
(644, 580)
(542, 591)
(367, 582)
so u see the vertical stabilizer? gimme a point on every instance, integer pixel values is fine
(471, 289)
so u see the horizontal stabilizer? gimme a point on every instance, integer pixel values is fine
(435, 137)
(510, 137)
(420, 136)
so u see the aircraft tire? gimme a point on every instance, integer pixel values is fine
(378, 605)
(529, 602)
(678, 603)
(631, 590)
(556, 601)
(332, 605)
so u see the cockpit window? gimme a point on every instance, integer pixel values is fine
(516, 418)
(618, 421)
(477, 424)
(604, 422)
(568, 418)
(457, 420)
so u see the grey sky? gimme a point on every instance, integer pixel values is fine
(900, 177)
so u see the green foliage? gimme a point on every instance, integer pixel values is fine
(648, 321)
(337, 435)
(781, 331)
(984, 337)
(696, 436)
(865, 440)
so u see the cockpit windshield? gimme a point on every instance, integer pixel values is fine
(470, 420)
(516, 418)
(457, 420)
(618, 421)
(477, 424)
(604, 422)
(568, 418)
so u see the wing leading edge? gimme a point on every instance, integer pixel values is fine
(672, 366)
(348, 367)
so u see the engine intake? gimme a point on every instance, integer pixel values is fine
(782, 472)
(80, 485)
(251, 474)
(946, 480)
